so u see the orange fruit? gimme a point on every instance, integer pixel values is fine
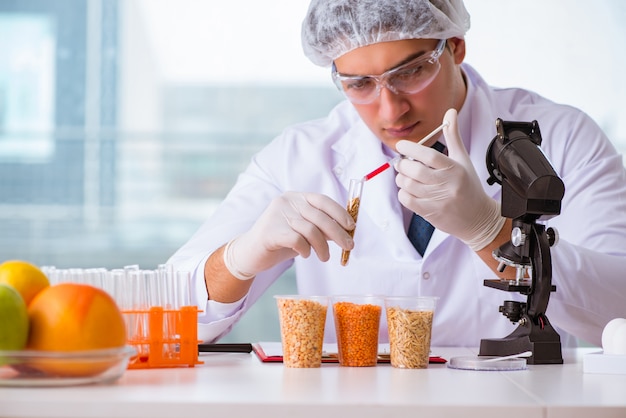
(72, 317)
(24, 277)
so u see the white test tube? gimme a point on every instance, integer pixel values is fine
(166, 279)
(183, 289)
(51, 273)
(77, 275)
(139, 324)
(167, 285)
(94, 277)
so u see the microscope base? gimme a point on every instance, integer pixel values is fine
(545, 351)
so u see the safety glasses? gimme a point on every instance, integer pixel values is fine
(408, 78)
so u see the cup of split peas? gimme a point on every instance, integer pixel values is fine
(302, 320)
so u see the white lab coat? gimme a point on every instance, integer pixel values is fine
(589, 262)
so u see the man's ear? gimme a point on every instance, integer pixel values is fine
(457, 47)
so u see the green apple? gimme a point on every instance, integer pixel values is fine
(13, 319)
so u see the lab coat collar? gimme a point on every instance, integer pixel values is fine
(359, 152)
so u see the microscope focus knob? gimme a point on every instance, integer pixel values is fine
(518, 237)
(553, 236)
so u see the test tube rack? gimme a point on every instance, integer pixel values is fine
(170, 337)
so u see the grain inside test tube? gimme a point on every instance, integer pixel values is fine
(354, 201)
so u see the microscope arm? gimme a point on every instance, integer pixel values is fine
(541, 262)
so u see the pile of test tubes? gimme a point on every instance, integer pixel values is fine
(156, 304)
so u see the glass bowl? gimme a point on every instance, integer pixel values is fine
(49, 368)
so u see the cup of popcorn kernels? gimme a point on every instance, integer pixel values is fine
(302, 320)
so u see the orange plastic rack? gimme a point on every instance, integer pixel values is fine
(163, 337)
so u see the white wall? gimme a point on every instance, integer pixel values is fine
(569, 51)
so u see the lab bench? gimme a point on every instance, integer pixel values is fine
(240, 385)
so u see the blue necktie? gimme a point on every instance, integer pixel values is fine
(420, 230)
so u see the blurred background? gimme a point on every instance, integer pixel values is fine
(123, 123)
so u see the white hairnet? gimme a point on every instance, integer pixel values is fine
(333, 27)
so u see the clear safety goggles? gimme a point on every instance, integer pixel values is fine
(407, 78)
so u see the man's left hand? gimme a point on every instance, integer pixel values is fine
(446, 191)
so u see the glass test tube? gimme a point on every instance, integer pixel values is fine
(354, 201)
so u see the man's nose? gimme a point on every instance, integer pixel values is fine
(391, 105)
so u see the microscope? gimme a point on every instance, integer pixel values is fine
(530, 189)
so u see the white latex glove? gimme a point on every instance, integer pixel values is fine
(446, 191)
(291, 225)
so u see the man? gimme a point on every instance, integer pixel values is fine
(400, 65)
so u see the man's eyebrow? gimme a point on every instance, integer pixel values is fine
(399, 64)
(407, 60)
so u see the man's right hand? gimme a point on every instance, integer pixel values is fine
(291, 225)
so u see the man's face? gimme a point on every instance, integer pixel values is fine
(392, 117)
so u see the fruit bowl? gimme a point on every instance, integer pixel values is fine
(48, 368)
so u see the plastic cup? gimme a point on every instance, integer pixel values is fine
(357, 324)
(410, 323)
(302, 321)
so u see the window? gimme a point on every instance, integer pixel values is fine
(123, 123)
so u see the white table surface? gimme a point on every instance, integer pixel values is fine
(239, 385)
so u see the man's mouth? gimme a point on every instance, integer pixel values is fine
(401, 132)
